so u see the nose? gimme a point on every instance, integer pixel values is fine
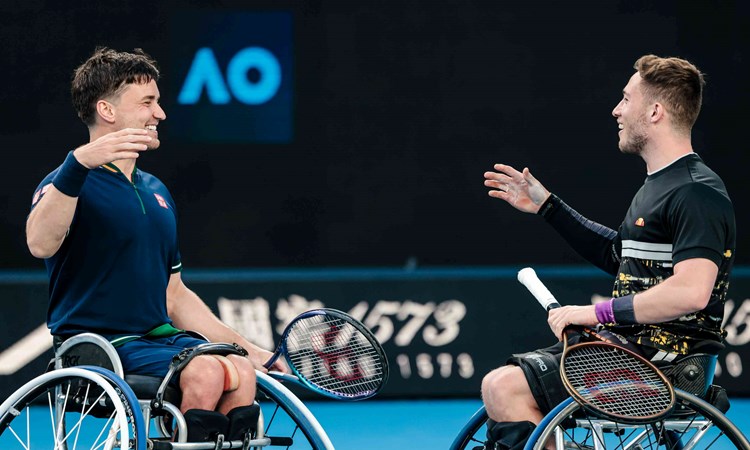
(616, 111)
(159, 112)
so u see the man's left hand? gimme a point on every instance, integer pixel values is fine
(559, 318)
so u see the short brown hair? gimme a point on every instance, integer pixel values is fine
(104, 74)
(675, 82)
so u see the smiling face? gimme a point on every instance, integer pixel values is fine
(138, 107)
(632, 118)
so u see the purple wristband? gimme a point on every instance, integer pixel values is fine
(604, 311)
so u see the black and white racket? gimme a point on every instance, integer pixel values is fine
(333, 354)
(610, 381)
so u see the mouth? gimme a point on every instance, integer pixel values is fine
(151, 128)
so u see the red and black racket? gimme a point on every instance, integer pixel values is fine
(612, 382)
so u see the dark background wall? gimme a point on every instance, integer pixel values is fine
(397, 110)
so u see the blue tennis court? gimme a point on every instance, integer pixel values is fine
(420, 424)
(414, 424)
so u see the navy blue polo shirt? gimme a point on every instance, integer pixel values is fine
(111, 273)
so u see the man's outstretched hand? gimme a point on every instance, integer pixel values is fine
(520, 189)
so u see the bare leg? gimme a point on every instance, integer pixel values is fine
(245, 394)
(202, 383)
(507, 396)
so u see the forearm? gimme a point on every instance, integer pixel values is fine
(670, 300)
(49, 222)
(687, 291)
(589, 239)
(189, 312)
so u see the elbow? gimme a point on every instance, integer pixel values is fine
(698, 301)
(40, 252)
(40, 249)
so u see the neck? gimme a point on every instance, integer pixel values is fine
(126, 166)
(664, 151)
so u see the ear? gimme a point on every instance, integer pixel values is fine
(657, 113)
(105, 110)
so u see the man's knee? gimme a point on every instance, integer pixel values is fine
(203, 371)
(505, 381)
(245, 370)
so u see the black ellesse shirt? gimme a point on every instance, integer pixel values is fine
(681, 212)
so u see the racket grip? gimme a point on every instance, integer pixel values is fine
(528, 278)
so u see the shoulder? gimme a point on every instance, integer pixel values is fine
(152, 181)
(155, 185)
(704, 199)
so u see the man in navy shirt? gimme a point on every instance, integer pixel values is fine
(107, 232)
(671, 256)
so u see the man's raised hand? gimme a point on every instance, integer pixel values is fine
(122, 144)
(520, 189)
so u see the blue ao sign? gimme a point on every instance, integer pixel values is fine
(231, 73)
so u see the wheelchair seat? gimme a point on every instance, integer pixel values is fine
(94, 350)
(693, 373)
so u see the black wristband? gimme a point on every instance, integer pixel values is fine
(548, 206)
(70, 177)
(622, 307)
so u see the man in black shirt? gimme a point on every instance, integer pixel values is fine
(671, 255)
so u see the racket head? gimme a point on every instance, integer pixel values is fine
(335, 355)
(615, 383)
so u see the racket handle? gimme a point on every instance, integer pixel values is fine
(528, 278)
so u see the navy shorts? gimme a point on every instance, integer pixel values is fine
(151, 356)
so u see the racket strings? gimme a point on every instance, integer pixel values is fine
(335, 355)
(614, 382)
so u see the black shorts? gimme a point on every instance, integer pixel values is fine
(542, 371)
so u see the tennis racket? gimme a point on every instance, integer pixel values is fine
(610, 381)
(333, 354)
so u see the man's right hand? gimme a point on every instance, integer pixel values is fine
(123, 144)
(520, 189)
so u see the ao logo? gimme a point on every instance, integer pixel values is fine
(205, 73)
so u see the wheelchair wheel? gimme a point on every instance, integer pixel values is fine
(694, 425)
(71, 409)
(287, 420)
(473, 434)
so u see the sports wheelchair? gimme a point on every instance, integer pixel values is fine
(696, 422)
(86, 402)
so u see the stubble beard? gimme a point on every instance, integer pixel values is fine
(636, 142)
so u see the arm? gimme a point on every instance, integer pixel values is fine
(685, 292)
(521, 190)
(189, 312)
(50, 220)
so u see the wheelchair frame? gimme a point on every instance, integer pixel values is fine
(692, 420)
(128, 425)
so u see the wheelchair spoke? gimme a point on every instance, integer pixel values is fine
(25, 446)
(81, 410)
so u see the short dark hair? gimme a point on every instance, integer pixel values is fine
(104, 74)
(675, 82)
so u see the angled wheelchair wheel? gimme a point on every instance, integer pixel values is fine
(71, 409)
(288, 422)
(473, 434)
(695, 424)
